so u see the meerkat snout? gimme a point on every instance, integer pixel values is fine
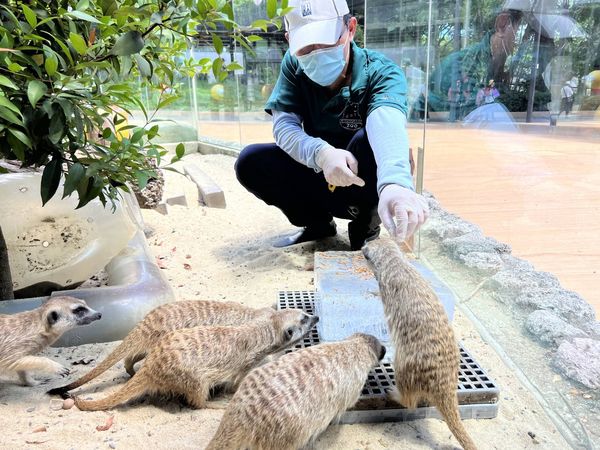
(64, 317)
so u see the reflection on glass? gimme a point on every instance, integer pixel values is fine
(512, 125)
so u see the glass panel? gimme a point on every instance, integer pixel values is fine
(510, 101)
(176, 119)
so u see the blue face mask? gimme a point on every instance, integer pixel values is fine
(324, 66)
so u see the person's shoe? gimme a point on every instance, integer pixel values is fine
(309, 233)
(360, 234)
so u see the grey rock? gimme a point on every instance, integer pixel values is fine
(580, 361)
(593, 329)
(550, 328)
(444, 225)
(488, 263)
(508, 284)
(568, 305)
(512, 262)
(473, 242)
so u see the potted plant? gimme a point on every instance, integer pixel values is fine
(70, 74)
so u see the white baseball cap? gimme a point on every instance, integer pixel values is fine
(315, 22)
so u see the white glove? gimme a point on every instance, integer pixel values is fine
(339, 166)
(401, 211)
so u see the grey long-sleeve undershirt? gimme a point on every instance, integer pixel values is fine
(386, 131)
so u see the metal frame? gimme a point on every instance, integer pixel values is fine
(477, 392)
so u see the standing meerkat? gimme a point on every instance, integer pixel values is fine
(427, 357)
(286, 404)
(192, 361)
(25, 334)
(160, 321)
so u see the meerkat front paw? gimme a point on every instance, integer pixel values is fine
(63, 371)
(26, 379)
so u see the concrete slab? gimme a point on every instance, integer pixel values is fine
(209, 193)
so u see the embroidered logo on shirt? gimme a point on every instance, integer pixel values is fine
(306, 9)
(350, 118)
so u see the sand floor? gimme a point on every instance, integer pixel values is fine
(225, 254)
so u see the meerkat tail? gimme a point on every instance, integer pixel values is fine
(448, 408)
(224, 440)
(123, 349)
(134, 388)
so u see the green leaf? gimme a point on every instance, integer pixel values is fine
(4, 81)
(217, 43)
(78, 43)
(51, 179)
(143, 65)
(137, 136)
(167, 101)
(51, 64)
(217, 66)
(10, 105)
(16, 147)
(10, 116)
(260, 23)
(153, 132)
(108, 7)
(253, 38)
(74, 176)
(29, 16)
(142, 178)
(21, 137)
(83, 16)
(56, 130)
(15, 67)
(234, 66)
(271, 8)
(180, 150)
(82, 5)
(128, 44)
(35, 90)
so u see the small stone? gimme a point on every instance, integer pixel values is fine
(509, 284)
(549, 328)
(531, 434)
(56, 404)
(473, 242)
(68, 403)
(580, 361)
(112, 445)
(568, 305)
(32, 409)
(489, 263)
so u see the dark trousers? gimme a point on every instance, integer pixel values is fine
(303, 194)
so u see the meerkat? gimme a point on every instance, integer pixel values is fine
(25, 334)
(287, 403)
(427, 357)
(160, 321)
(191, 361)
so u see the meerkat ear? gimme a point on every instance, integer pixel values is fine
(53, 317)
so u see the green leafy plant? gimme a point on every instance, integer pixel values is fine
(70, 76)
(69, 80)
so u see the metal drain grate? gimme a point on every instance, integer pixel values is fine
(477, 392)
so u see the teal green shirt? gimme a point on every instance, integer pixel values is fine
(376, 81)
